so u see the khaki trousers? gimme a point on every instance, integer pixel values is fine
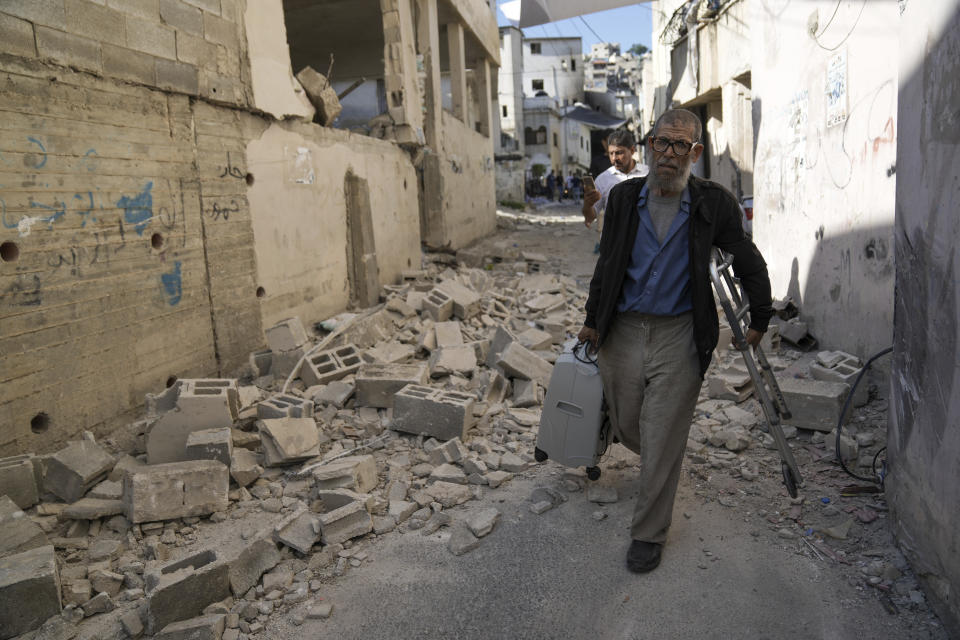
(651, 381)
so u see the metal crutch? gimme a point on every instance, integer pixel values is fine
(735, 307)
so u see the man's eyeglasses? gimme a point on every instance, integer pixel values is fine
(680, 147)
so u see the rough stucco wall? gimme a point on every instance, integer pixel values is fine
(510, 173)
(824, 194)
(467, 174)
(275, 90)
(923, 485)
(299, 214)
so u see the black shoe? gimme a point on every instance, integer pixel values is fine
(643, 556)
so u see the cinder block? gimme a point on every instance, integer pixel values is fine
(793, 330)
(261, 362)
(211, 444)
(448, 334)
(285, 406)
(496, 389)
(181, 16)
(336, 393)
(460, 359)
(321, 94)
(843, 368)
(535, 339)
(286, 335)
(556, 327)
(343, 515)
(71, 471)
(288, 440)
(437, 305)
(208, 627)
(18, 533)
(177, 76)
(259, 556)
(182, 589)
(466, 302)
(358, 473)
(18, 480)
(149, 36)
(176, 490)
(501, 339)
(378, 383)
(327, 366)
(519, 362)
(128, 64)
(814, 404)
(200, 404)
(526, 393)
(283, 362)
(68, 49)
(29, 590)
(17, 36)
(441, 414)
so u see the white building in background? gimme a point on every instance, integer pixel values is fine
(510, 166)
(553, 66)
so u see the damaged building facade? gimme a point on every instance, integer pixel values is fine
(167, 191)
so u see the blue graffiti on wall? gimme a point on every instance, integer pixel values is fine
(139, 209)
(173, 284)
(58, 211)
(43, 159)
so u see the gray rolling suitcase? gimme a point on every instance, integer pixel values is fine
(574, 430)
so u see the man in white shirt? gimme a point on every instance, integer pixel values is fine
(620, 148)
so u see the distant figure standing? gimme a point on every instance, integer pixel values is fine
(551, 184)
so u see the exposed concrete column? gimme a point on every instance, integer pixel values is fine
(400, 66)
(458, 70)
(428, 45)
(483, 98)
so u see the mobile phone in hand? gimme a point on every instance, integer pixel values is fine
(588, 184)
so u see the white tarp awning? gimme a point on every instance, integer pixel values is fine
(530, 13)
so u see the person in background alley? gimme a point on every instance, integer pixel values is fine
(551, 185)
(620, 149)
(652, 315)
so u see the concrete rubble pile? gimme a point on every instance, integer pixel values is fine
(237, 498)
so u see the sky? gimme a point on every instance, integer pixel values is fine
(626, 25)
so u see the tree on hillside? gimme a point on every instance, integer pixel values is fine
(638, 49)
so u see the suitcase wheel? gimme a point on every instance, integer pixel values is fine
(539, 455)
(593, 473)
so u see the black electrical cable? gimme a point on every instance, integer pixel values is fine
(843, 412)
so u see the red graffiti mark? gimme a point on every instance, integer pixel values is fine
(886, 138)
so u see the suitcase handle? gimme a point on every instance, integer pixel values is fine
(570, 409)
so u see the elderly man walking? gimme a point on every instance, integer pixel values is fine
(652, 314)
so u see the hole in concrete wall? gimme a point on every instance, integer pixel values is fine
(261, 292)
(172, 380)
(40, 422)
(156, 241)
(404, 184)
(249, 179)
(9, 252)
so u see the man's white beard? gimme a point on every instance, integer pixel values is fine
(675, 184)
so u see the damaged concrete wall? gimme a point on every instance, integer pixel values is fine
(825, 164)
(300, 216)
(923, 485)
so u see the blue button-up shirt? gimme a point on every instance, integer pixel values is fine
(658, 276)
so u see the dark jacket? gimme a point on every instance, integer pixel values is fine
(714, 221)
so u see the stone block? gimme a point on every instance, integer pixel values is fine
(450, 451)
(435, 412)
(842, 367)
(288, 440)
(286, 335)
(483, 521)
(200, 404)
(535, 339)
(17, 36)
(285, 406)
(176, 490)
(177, 76)
(245, 467)
(29, 590)
(261, 362)
(460, 359)
(92, 509)
(793, 330)
(358, 473)
(526, 393)
(814, 404)
(253, 561)
(336, 393)
(211, 444)
(182, 589)
(466, 302)
(321, 94)
(282, 363)
(209, 627)
(545, 302)
(377, 384)
(449, 494)
(77, 592)
(448, 334)
(326, 366)
(501, 339)
(730, 384)
(519, 362)
(299, 531)
(73, 470)
(496, 388)
(103, 581)
(437, 305)
(68, 49)
(555, 326)
(343, 515)
(18, 480)
(18, 533)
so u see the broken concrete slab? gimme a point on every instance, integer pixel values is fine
(104, 581)
(448, 334)
(29, 590)
(210, 444)
(526, 393)
(460, 359)
(466, 302)
(200, 404)
(92, 509)
(461, 540)
(358, 473)
(519, 362)
(731, 383)
(182, 589)
(434, 412)
(208, 627)
(448, 473)
(321, 94)
(814, 404)
(343, 515)
(299, 531)
(176, 490)
(286, 335)
(483, 521)
(251, 562)
(449, 494)
(288, 440)
(377, 384)
(535, 339)
(73, 470)
(335, 393)
(245, 467)
(18, 533)
(18, 480)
